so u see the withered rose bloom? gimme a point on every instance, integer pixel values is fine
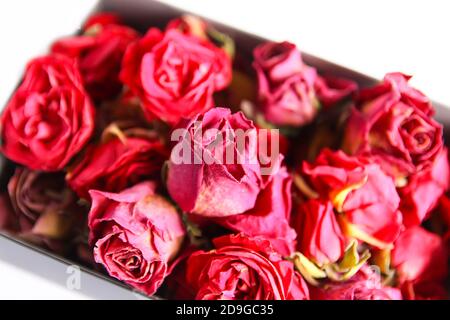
(45, 209)
(243, 268)
(49, 118)
(289, 91)
(174, 74)
(364, 197)
(320, 237)
(392, 122)
(200, 179)
(420, 260)
(424, 188)
(270, 217)
(365, 285)
(118, 164)
(99, 50)
(136, 234)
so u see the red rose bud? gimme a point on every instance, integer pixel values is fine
(361, 192)
(419, 256)
(365, 285)
(45, 209)
(136, 234)
(118, 164)
(289, 91)
(49, 118)
(320, 237)
(270, 216)
(201, 179)
(392, 123)
(424, 188)
(99, 51)
(175, 75)
(243, 268)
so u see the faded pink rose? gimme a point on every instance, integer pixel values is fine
(289, 91)
(136, 234)
(392, 123)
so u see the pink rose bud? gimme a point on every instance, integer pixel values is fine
(200, 178)
(285, 84)
(290, 93)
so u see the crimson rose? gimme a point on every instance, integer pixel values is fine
(243, 268)
(423, 190)
(115, 165)
(320, 237)
(174, 74)
(99, 50)
(420, 260)
(49, 118)
(136, 234)
(361, 192)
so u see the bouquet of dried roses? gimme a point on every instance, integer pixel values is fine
(301, 186)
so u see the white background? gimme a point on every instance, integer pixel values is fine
(373, 37)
